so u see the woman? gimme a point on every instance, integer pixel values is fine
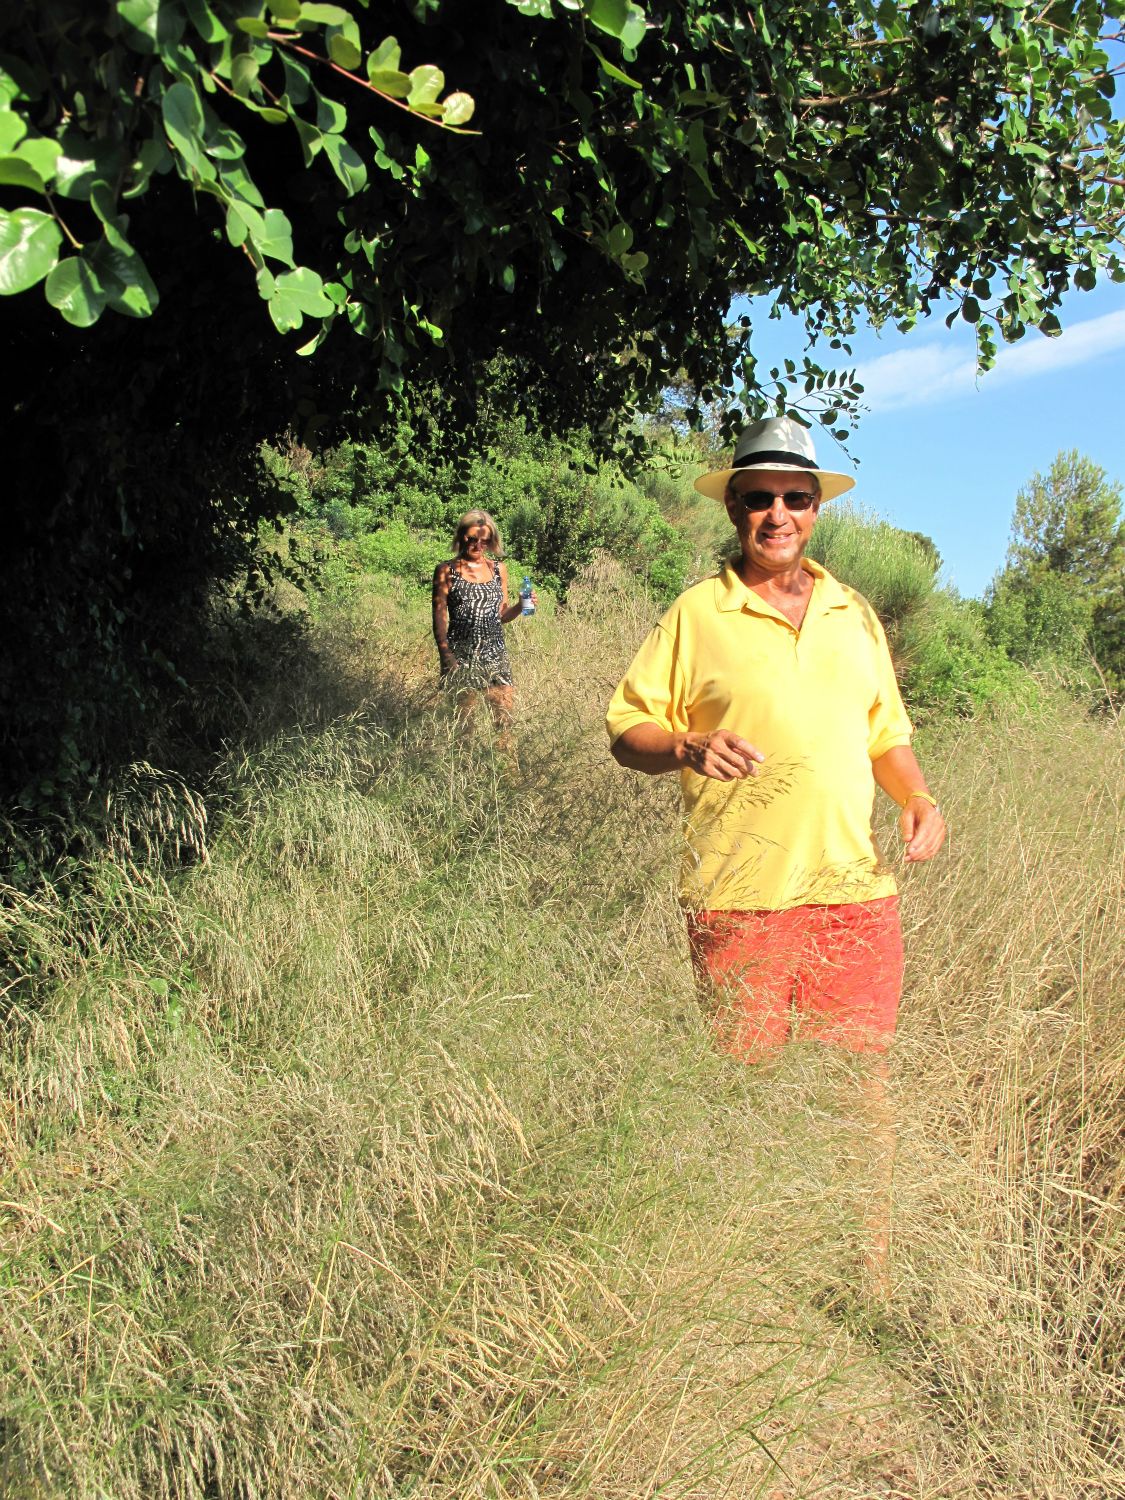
(470, 611)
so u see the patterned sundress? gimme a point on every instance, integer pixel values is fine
(476, 634)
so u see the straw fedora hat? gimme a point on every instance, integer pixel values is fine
(775, 443)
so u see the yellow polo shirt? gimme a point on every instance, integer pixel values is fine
(821, 702)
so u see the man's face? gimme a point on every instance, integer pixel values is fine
(773, 538)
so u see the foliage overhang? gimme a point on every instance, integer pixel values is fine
(599, 181)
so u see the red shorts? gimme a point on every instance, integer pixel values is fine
(837, 970)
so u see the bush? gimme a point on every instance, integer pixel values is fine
(892, 569)
(1042, 618)
(398, 504)
(948, 664)
(406, 554)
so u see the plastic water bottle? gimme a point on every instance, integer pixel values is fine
(526, 606)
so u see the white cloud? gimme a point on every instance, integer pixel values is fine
(933, 372)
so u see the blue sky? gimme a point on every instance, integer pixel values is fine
(944, 451)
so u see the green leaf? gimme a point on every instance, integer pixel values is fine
(183, 120)
(298, 80)
(238, 182)
(225, 145)
(153, 156)
(457, 108)
(41, 153)
(17, 173)
(237, 227)
(9, 87)
(30, 241)
(103, 203)
(12, 130)
(275, 237)
(252, 26)
(387, 81)
(74, 289)
(327, 15)
(243, 74)
(386, 58)
(314, 343)
(347, 163)
(298, 294)
(310, 138)
(81, 162)
(285, 10)
(614, 71)
(151, 25)
(344, 53)
(128, 287)
(331, 116)
(620, 18)
(426, 83)
(619, 239)
(205, 21)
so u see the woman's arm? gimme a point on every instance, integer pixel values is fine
(511, 611)
(441, 616)
(507, 611)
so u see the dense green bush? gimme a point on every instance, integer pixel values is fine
(948, 664)
(393, 508)
(892, 569)
(396, 549)
(1041, 618)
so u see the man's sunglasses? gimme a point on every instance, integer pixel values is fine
(763, 499)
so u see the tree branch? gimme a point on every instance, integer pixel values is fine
(285, 40)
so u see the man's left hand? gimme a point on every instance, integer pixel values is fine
(923, 830)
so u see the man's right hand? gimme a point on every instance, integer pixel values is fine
(722, 755)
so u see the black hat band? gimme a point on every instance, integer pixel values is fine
(764, 458)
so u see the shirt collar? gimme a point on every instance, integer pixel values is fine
(731, 593)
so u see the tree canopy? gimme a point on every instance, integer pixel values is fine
(581, 183)
(1061, 595)
(1069, 521)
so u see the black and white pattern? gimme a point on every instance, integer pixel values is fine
(476, 633)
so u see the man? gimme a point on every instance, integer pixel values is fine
(771, 690)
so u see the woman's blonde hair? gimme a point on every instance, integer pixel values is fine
(472, 518)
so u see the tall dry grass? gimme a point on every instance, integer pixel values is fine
(383, 1152)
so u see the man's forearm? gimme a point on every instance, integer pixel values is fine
(720, 753)
(648, 748)
(898, 773)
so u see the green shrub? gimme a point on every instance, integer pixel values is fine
(393, 508)
(892, 569)
(395, 548)
(1042, 618)
(949, 665)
